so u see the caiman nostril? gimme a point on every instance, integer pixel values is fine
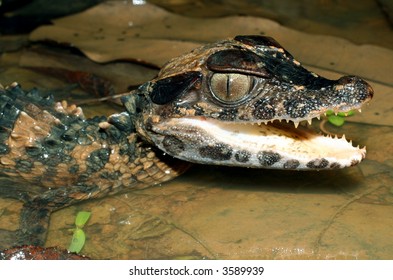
(348, 80)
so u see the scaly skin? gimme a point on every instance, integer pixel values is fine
(55, 157)
(220, 104)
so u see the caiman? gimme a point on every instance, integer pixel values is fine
(236, 102)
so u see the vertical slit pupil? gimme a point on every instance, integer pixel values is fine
(228, 86)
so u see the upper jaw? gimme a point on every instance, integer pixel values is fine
(295, 103)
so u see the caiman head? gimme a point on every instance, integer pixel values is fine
(239, 103)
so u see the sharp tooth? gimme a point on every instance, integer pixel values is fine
(265, 122)
(309, 121)
(344, 137)
(287, 121)
(319, 117)
(296, 124)
(360, 110)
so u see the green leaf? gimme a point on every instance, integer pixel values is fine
(81, 218)
(78, 241)
(336, 120)
(346, 114)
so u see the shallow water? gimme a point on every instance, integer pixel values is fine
(231, 213)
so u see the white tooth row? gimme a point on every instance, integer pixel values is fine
(345, 139)
(296, 123)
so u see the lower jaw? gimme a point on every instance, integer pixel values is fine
(276, 145)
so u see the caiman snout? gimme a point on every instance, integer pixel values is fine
(361, 89)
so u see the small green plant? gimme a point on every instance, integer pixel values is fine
(339, 119)
(79, 237)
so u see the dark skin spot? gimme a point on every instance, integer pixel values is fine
(268, 158)
(335, 165)
(73, 169)
(110, 175)
(51, 144)
(242, 156)
(50, 172)
(173, 145)
(228, 114)
(318, 163)
(291, 164)
(23, 165)
(97, 159)
(34, 151)
(216, 152)
(4, 149)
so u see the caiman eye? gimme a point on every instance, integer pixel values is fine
(230, 87)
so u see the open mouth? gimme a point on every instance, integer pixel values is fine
(276, 145)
